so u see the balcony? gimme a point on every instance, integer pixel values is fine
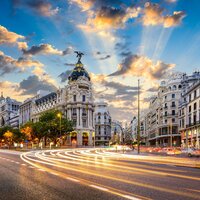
(193, 124)
(84, 114)
(166, 107)
(173, 106)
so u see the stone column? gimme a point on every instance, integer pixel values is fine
(186, 140)
(90, 138)
(88, 118)
(197, 137)
(77, 117)
(81, 121)
(79, 138)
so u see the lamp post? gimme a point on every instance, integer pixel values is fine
(59, 115)
(138, 131)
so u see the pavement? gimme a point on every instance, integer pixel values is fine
(94, 174)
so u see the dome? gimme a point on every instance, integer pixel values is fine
(78, 71)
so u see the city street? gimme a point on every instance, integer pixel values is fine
(96, 174)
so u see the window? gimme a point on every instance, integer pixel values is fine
(173, 104)
(195, 94)
(173, 112)
(189, 108)
(74, 122)
(173, 120)
(189, 120)
(84, 123)
(84, 112)
(83, 98)
(173, 96)
(165, 113)
(194, 119)
(74, 98)
(74, 111)
(165, 97)
(195, 106)
(174, 87)
(166, 121)
(183, 124)
(190, 97)
(165, 105)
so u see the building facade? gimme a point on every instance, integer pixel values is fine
(162, 117)
(102, 124)
(189, 111)
(9, 112)
(75, 102)
(117, 132)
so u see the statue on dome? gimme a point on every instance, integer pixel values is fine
(79, 55)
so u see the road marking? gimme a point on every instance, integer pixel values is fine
(17, 162)
(130, 197)
(31, 167)
(73, 179)
(23, 164)
(98, 187)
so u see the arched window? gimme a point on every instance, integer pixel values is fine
(174, 87)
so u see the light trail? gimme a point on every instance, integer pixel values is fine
(51, 161)
(108, 189)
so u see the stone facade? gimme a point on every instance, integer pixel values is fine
(75, 102)
(9, 112)
(102, 124)
(189, 112)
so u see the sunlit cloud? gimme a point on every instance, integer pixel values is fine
(11, 38)
(153, 16)
(10, 65)
(136, 65)
(41, 7)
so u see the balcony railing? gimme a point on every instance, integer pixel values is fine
(193, 124)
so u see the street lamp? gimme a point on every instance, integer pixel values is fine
(59, 115)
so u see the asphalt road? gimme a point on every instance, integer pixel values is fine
(93, 174)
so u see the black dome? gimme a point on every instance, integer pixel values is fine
(77, 72)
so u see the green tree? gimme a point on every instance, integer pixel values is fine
(54, 124)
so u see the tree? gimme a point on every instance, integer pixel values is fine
(27, 130)
(53, 124)
(8, 135)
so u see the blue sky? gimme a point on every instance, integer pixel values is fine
(122, 40)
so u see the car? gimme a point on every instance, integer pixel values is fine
(193, 152)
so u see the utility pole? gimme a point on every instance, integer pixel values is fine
(171, 128)
(138, 130)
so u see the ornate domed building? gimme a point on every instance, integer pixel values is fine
(75, 102)
(80, 105)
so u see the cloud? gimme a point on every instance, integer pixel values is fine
(136, 65)
(153, 16)
(9, 64)
(44, 49)
(70, 64)
(32, 84)
(42, 7)
(11, 38)
(68, 50)
(171, 1)
(92, 4)
(107, 17)
(64, 76)
(105, 57)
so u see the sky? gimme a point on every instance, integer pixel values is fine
(122, 41)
